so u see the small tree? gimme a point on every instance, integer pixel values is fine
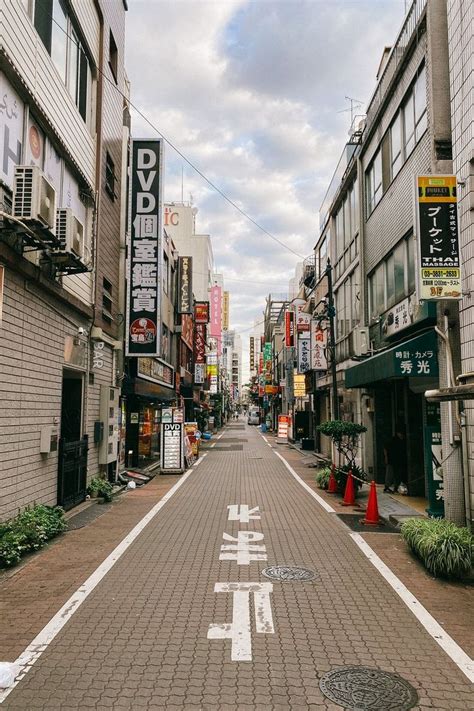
(345, 436)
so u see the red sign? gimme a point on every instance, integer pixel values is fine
(283, 423)
(200, 343)
(201, 312)
(289, 328)
(142, 331)
(187, 331)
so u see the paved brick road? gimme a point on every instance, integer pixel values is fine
(140, 640)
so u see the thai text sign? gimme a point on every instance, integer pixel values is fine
(185, 288)
(438, 253)
(144, 249)
(318, 346)
(304, 351)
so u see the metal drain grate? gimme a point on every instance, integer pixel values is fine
(366, 689)
(284, 572)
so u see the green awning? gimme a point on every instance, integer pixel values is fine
(416, 358)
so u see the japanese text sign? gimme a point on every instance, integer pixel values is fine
(304, 351)
(289, 328)
(438, 253)
(252, 353)
(143, 277)
(215, 330)
(185, 288)
(201, 312)
(200, 343)
(318, 346)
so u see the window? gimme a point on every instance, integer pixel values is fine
(165, 274)
(113, 56)
(396, 145)
(323, 255)
(339, 233)
(107, 301)
(374, 183)
(393, 279)
(61, 39)
(421, 120)
(110, 177)
(409, 125)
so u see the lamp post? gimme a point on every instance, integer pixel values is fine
(331, 312)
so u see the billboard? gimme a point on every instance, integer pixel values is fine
(144, 249)
(438, 261)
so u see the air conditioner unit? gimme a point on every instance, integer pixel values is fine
(360, 341)
(34, 198)
(70, 232)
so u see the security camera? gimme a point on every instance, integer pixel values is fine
(81, 331)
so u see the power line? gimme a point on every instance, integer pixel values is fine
(176, 149)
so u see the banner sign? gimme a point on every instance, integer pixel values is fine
(185, 285)
(199, 373)
(172, 459)
(437, 239)
(199, 343)
(299, 385)
(318, 346)
(225, 311)
(201, 312)
(289, 328)
(144, 250)
(304, 351)
(252, 353)
(267, 361)
(215, 326)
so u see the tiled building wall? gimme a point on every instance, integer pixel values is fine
(461, 64)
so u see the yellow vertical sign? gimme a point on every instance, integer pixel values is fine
(225, 311)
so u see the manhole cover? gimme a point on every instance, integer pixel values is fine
(363, 688)
(283, 572)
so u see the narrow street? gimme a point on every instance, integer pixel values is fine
(186, 619)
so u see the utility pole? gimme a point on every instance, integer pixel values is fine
(331, 311)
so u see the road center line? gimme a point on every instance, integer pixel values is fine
(447, 643)
(42, 640)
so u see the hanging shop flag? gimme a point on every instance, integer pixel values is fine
(318, 346)
(185, 285)
(201, 312)
(289, 328)
(304, 350)
(215, 326)
(437, 240)
(252, 353)
(144, 249)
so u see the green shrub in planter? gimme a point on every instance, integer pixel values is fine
(444, 548)
(100, 487)
(322, 477)
(29, 531)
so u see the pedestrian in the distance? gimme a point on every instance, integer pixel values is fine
(395, 456)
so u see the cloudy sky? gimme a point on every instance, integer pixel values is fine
(251, 92)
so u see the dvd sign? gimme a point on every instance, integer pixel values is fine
(144, 249)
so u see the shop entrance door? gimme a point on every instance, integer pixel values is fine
(72, 462)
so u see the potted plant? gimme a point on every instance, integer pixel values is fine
(346, 438)
(100, 488)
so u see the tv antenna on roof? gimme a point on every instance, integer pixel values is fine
(355, 105)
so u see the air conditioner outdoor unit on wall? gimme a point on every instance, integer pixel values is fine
(70, 232)
(34, 198)
(360, 341)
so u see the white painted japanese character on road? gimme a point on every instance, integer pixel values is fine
(243, 547)
(239, 630)
(242, 513)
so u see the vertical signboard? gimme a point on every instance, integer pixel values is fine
(201, 312)
(225, 311)
(282, 432)
(438, 269)
(433, 460)
(144, 249)
(212, 371)
(303, 319)
(185, 285)
(267, 361)
(172, 455)
(304, 346)
(199, 353)
(252, 354)
(215, 325)
(289, 328)
(318, 346)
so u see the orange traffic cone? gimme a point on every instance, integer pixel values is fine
(332, 485)
(349, 493)
(372, 517)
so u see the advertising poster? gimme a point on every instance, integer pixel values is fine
(438, 254)
(144, 249)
